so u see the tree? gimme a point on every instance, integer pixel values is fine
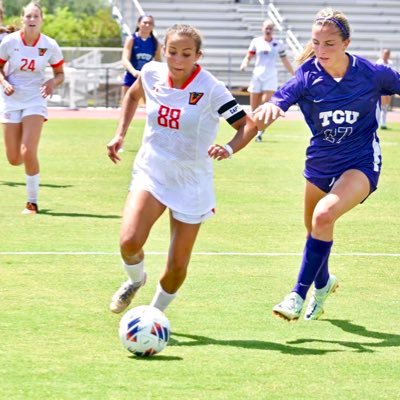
(77, 7)
(93, 28)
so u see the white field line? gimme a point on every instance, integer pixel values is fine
(105, 253)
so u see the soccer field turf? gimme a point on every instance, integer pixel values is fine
(59, 269)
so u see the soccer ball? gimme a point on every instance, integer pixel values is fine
(144, 331)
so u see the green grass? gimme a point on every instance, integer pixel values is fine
(59, 341)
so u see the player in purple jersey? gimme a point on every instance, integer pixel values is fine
(139, 49)
(173, 167)
(339, 95)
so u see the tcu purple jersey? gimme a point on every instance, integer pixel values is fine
(342, 115)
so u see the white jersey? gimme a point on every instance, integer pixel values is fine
(173, 163)
(2, 36)
(26, 68)
(381, 61)
(266, 55)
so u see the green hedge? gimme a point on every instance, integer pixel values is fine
(69, 28)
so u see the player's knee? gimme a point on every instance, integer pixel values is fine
(15, 159)
(323, 219)
(29, 156)
(129, 245)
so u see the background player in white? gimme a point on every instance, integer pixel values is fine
(385, 100)
(264, 81)
(25, 90)
(173, 168)
(339, 96)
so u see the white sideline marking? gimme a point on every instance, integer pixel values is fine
(105, 253)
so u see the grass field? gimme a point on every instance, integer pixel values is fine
(59, 341)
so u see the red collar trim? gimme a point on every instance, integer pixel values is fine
(188, 81)
(26, 44)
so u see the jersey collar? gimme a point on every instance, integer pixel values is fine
(188, 81)
(24, 41)
(352, 64)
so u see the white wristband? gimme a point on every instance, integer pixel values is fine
(228, 149)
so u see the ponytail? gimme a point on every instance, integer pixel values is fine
(306, 54)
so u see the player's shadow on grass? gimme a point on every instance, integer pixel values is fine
(383, 339)
(77, 215)
(48, 185)
(196, 340)
(158, 357)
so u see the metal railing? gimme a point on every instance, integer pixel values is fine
(290, 37)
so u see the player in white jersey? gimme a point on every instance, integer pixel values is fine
(385, 100)
(264, 81)
(173, 168)
(25, 91)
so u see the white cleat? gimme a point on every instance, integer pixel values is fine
(290, 308)
(315, 307)
(125, 294)
(259, 136)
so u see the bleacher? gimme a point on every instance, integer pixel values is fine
(228, 27)
(225, 37)
(375, 23)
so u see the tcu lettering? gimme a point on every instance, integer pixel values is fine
(338, 117)
(144, 56)
(169, 117)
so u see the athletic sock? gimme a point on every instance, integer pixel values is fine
(162, 299)
(322, 277)
(384, 115)
(135, 272)
(32, 188)
(316, 252)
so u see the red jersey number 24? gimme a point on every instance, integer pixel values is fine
(27, 65)
(169, 117)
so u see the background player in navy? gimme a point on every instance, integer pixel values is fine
(339, 95)
(140, 48)
(173, 168)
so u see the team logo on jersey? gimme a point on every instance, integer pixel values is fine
(338, 117)
(195, 97)
(42, 51)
